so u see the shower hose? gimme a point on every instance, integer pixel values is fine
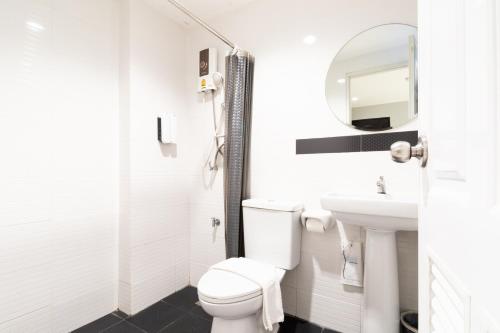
(217, 143)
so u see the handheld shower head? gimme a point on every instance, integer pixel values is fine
(218, 79)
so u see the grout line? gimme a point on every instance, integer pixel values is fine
(132, 324)
(199, 317)
(176, 320)
(117, 316)
(190, 312)
(107, 328)
(184, 314)
(24, 314)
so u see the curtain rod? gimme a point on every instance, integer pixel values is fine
(202, 23)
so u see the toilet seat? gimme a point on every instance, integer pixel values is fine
(222, 287)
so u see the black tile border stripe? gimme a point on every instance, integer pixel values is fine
(353, 143)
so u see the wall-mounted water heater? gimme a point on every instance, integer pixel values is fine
(207, 67)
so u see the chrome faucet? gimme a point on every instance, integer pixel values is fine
(381, 185)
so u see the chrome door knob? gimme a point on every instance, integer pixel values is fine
(402, 151)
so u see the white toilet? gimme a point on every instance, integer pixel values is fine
(272, 233)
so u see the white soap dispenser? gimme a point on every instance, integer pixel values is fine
(167, 128)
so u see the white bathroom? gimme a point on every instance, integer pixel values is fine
(249, 166)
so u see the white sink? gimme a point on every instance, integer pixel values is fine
(381, 215)
(373, 211)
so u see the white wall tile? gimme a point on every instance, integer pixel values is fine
(207, 250)
(73, 312)
(151, 259)
(154, 187)
(153, 222)
(196, 271)
(25, 245)
(181, 278)
(124, 296)
(33, 322)
(289, 296)
(329, 312)
(152, 290)
(321, 275)
(24, 291)
(200, 219)
(58, 125)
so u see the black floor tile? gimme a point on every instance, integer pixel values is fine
(199, 312)
(179, 313)
(184, 299)
(189, 324)
(99, 325)
(296, 325)
(121, 314)
(156, 317)
(124, 327)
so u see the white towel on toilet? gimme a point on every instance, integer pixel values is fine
(265, 276)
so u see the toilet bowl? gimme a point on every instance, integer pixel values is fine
(234, 301)
(272, 235)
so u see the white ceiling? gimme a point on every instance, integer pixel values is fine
(205, 9)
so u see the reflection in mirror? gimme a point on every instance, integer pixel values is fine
(371, 84)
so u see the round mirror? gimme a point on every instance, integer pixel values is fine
(371, 84)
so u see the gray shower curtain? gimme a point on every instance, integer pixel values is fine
(238, 106)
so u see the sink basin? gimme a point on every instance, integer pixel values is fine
(373, 211)
(381, 215)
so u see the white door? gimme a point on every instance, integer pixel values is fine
(459, 230)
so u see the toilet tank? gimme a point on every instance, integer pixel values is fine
(272, 231)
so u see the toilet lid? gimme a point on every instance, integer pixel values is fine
(222, 287)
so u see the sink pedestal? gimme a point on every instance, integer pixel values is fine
(381, 284)
(381, 215)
